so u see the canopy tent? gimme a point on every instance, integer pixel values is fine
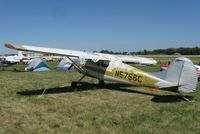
(65, 64)
(38, 64)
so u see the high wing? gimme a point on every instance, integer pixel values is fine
(83, 54)
(54, 51)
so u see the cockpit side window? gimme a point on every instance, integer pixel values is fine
(104, 63)
(101, 63)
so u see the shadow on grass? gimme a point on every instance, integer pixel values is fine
(110, 86)
(157, 98)
(13, 70)
(170, 98)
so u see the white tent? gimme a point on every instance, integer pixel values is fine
(65, 64)
(38, 64)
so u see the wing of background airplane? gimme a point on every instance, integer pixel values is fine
(137, 59)
(83, 54)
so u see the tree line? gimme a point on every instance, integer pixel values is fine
(168, 51)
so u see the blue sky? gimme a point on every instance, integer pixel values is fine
(117, 25)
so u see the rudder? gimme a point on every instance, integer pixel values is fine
(183, 74)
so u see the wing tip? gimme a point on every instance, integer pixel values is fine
(10, 46)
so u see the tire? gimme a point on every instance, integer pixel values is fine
(74, 84)
(101, 83)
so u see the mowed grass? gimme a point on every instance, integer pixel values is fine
(116, 108)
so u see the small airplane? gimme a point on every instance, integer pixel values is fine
(13, 59)
(181, 76)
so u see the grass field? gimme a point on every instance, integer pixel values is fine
(87, 109)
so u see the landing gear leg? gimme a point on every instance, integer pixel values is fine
(75, 84)
(81, 78)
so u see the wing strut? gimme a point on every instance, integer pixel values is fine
(80, 69)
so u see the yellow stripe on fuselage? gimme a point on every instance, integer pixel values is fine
(133, 76)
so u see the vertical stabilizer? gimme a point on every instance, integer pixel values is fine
(183, 74)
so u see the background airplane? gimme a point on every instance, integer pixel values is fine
(12, 59)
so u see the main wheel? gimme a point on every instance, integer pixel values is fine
(101, 83)
(74, 84)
